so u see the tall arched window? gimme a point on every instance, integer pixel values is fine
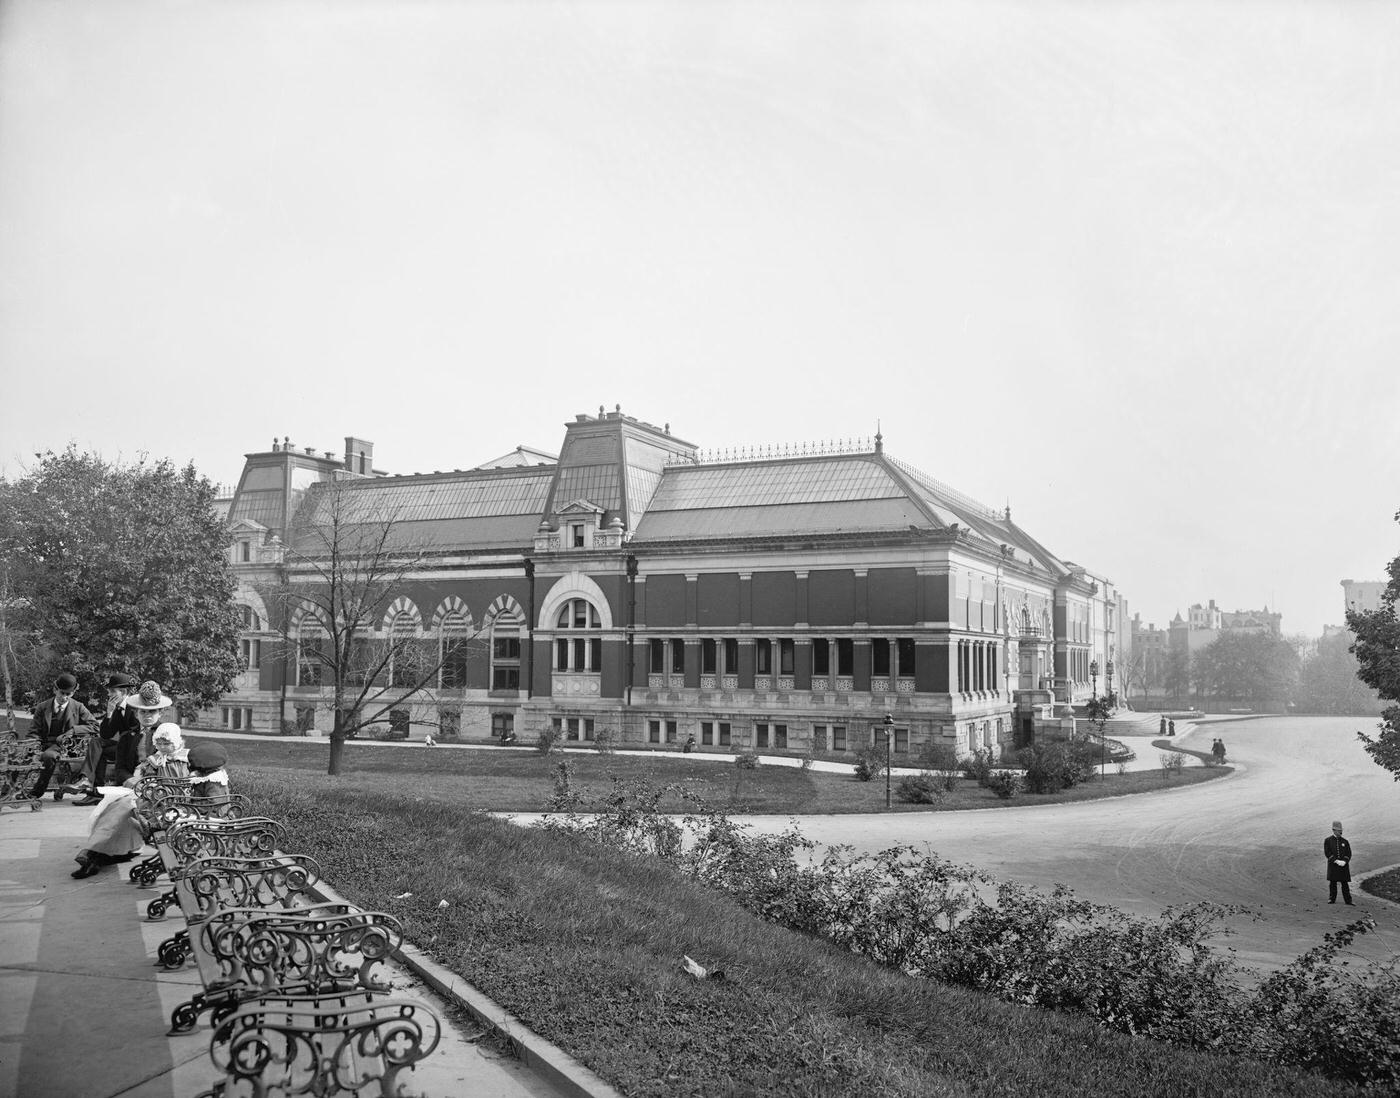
(454, 631)
(313, 650)
(407, 657)
(578, 652)
(507, 630)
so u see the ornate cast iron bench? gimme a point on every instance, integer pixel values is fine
(189, 839)
(244, 953)
(19, 770)
(354, 1043)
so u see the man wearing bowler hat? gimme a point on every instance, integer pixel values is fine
(54, 718)
(117, 743)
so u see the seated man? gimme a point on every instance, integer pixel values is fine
(53, 719)
(118, 741)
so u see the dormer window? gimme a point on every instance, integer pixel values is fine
(576, 535)
(245, 551)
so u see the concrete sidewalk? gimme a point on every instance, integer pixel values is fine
(84, 1010)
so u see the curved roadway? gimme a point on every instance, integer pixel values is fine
(1253, 838)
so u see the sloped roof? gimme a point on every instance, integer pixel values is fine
(469, 510)
(838, 493)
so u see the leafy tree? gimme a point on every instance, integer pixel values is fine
(120, 568)
(347, 558)
(1377, 651)
(1257, 669)
(1329, 682)
(1176, 675)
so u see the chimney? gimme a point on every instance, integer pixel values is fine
(359, 455)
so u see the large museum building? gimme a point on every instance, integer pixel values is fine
(772, 601)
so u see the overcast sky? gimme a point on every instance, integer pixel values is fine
(1132, 267)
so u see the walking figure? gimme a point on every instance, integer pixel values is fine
(1162, 728)
(1171, 728)
(1218, 750)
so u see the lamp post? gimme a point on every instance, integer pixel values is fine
(1108, 680)
(889, 733)
(1094, 711)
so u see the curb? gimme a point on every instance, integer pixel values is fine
(552, 1063)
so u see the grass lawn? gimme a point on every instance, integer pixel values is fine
(584, 945)
(1385, 885)
(510, 780)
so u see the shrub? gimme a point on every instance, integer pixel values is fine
(980, 765)
(1050, 767)
(564, 797)
(605, 742)
(808, 759)
(923, 788)
(746, 760)
(1172, 762)
(289, 728)
(547, 740)
(941, 759)
(1004, 784)
(869, 764)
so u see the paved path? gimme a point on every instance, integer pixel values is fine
(1254, 838)
(84, 1014)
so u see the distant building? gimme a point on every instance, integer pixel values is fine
(777, 600)
(1362, 595)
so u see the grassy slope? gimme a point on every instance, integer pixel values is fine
(585, 946)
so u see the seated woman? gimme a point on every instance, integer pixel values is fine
(114, 834)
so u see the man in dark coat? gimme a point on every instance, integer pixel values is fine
(1338, 852)
(118, 744)
(54, 718)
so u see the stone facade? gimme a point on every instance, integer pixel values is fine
(754, 601)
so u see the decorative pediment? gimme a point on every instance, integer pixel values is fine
(246, 526)
(580, 507)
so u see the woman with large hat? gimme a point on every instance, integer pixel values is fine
(113, 835)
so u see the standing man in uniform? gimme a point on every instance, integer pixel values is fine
(118, 743)
(54, 718)
(1338, 852)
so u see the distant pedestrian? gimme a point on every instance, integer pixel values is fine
(1338, 852)
(1218, 750)
(688, 746)
(1162, 728)
(428, 740)
(1171, 728)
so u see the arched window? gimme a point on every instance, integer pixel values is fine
(313, 652)
(251, 619)
(454, 631)
(578, 652)
(408, 659)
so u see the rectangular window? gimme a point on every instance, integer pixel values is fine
(780, 737)
(723, 733)
(901, 741)
(760, 735)
(449, 723)
(670, 731)
(905, 653)
(306, 718)
(505, 678)
(708, 661)
(237, 719)
(845, 656)
(309, 664)
(245, 551)
(821, 656)
(502, 725)
(505, 648)
(576, 534)
(838, 737)
(580, 662)
(248, 719)
(786, 657)
(678, 657)
(657, 666)
(653, 731)
(880, 657)
(707, 733)
(252, 654)
(398, 722)
(763, 657)
(227, 718)
(561, 655)
(731, 656)
(595, 654)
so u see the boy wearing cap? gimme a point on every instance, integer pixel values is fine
(54, 718)
(118, 741)
(1338, 852)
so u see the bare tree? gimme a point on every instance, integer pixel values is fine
(1132, 671)
(347, 558)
